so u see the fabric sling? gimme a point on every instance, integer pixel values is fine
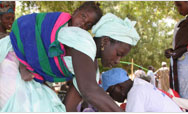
(34, 39)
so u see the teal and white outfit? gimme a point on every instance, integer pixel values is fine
(32, 96)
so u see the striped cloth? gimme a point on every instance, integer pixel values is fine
(34, 39)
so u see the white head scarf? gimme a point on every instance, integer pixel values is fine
(114, 27)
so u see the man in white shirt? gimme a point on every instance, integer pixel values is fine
(151, 74)
(139, 73)
(141, 96)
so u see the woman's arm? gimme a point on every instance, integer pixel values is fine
(72, 99)
(85, 72)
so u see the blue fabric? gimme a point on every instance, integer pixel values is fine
(46, 34)
(29, 27)
(113, 77)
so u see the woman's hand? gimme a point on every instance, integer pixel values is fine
(25, 74)
(91, 92)
(179, 52)
(168, 52)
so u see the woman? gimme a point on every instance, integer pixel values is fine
(78, 54)
(7, 9)
(114, 38)
(178, 55)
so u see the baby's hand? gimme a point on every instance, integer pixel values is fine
(25, 74)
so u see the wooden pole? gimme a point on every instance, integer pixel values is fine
(132, 70)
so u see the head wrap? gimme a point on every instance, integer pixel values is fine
(114, 27)
(163, 63)
(113, 77)
(7, 7)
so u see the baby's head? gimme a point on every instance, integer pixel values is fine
(87, 15)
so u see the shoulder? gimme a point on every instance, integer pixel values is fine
(78, 39)
(75, 34)
(140, 86)
(176, 26)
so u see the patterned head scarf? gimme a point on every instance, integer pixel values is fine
(114, 27)
(7, 7)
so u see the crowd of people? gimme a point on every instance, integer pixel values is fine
(43, 49)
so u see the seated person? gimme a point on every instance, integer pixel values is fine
(141, 96)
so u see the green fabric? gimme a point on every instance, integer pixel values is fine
(54, 49)
(43, 58)
(65, 70)
(16, 32)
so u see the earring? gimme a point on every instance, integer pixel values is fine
(102, 48)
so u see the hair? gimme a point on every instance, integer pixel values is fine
(94, 7)
(129, 84)
(112, 41)
(150, 67)
(146, 78)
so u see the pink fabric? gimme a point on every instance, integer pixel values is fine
(8, 77)
(38, 76)
(63, 18)
(11, 56)
(30, 68)
(62, 47)
(25, 63)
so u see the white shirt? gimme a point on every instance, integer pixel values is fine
(151, 74)
(144, 97)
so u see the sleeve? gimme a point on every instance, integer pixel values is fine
(78, 39)
(135, 101)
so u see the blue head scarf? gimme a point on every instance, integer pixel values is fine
(113, 77)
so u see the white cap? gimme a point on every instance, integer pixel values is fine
(163, 63)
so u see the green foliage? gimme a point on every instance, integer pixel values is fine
(154, 31)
